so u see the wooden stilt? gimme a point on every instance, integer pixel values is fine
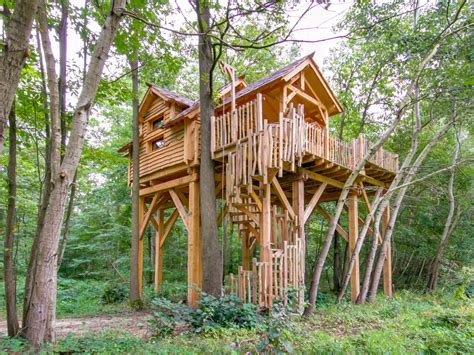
(141, 211)
(353, 235)
(159, 251)
(265, 246)
(298, 207)
(387, 266)
(245, 251)
(194, 246)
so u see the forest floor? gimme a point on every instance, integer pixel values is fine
(410, 322)
(135, 324)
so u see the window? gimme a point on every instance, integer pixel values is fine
(157, 144)
(158, 123)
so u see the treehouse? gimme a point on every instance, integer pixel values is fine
(275, 164)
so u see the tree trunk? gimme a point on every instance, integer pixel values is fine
(9, 269)
(14, 53)
(67, 221)
(336, 264)
(40, 294)
(352, 178)
(211, 251)
(393, 217)
(62, 83)
(448, 226)
(135, 292)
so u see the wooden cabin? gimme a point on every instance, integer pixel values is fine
(275, 164)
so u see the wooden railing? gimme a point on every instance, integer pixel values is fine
(270, 145)
(287, 272)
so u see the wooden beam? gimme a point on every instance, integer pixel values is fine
(305, 96)
(194, 246)
(282, 197)
(149, 213)
(245, 210)
(370, 180)
(314, 201)
(179, 206)
(159, 251)
(321, 178)
(176, 183)
(169, 226)
(256, 200)
(141, 211)
(327, 216)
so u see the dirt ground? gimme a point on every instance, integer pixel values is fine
(134, 323)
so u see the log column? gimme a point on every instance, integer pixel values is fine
(265, 237)
(159, 251)
(387, 266)
(245, 251)
(141, 214)
(353, 235)
(194, 246)
(298, 208)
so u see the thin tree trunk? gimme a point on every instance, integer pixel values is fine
(67, 221)
(211, 250)
(448, 226)
(352, 178)
(62, 83)
(40, 298)
(135, 292)
(14, 53)
(336, 264)
(9, 268)
(396, 208)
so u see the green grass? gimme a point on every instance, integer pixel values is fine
(408, 323)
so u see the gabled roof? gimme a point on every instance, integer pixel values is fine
(285, 74)
(270, 78)
(168, 95)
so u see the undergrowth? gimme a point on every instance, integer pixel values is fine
(408, 323)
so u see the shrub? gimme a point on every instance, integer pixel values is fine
(114, 293)
(212, 313)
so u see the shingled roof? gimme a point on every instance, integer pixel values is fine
(171, 95)
(269, 78)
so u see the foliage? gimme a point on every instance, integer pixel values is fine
(211, 313)
(277, 335)
(115, 293)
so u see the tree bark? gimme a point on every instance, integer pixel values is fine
(211, 251)
(135, 292)
(40, 297)
(448, 226)
(9, 268)
(14, 53)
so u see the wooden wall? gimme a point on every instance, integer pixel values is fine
(172, 153)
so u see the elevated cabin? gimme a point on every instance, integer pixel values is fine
(275, 164)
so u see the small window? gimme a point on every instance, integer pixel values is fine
(157, 144)
(158, 123)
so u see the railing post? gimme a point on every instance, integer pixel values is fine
(361, 144)
(259, 113)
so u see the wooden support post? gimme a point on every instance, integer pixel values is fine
(353, 235)
(245, 251)
(194, 246)
(265, 237)
(141, 212)
(298, 207)
(159, 250)
(387, 266)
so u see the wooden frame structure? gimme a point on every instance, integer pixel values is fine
(276, 164)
